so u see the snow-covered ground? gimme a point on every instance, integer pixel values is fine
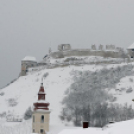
(126, 127)
(25, 89)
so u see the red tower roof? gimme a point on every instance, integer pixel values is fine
(42, 103)
(41, 88)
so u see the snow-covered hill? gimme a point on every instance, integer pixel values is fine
(25, 89)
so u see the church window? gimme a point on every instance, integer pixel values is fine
(42, 119)
(33, 118)
(42, 97)
(41, 131)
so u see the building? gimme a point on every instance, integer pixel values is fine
(41, 113)
(131, 50)
(27, 62)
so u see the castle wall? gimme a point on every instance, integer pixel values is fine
(64, 47)
(131, 53)
(85, 52)
(56, 55)
(28, 63)
(25, 65)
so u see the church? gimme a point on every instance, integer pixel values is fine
(41, 113)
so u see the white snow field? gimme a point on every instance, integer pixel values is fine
(25, 89)
(125, 127)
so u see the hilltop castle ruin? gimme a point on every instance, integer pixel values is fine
(65, 50)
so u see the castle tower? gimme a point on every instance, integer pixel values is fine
(27, 62)
(41, 113)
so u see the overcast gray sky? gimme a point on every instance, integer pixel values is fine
(28, 26)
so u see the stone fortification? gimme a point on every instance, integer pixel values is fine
(26, 63)
(108, 51)
(64, 47)
(130, 50)
(65, 50)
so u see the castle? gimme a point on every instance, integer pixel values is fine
(65, 50)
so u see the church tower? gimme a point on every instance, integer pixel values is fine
(41, 113)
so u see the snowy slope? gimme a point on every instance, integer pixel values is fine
(26, 88)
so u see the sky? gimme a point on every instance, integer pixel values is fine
(31, 27)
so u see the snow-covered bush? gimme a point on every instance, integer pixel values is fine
(66, 92)
(12, 102)
(131, 79)
(45, 75)
(112, 99)
(69, 118)
(28, 114)
(2, 93)
(105, 78)
(3, 114)
(62, 117)
(122, 89)
(129, 90)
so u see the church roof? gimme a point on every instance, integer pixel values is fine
(29, 58)
(131, 46)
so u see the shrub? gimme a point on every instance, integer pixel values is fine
(122, 89)
(28, 114)
(69, 118)
(77, 123)
(129, 90)
(66, 92)
(131, 79)
(3, 114)
(112, 98)
(12, 102)
(117, 89)
(45, 75)
(2, 93)
(62, 117)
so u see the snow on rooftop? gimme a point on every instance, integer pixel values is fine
(29, 58)
(131, 46)
(42, 101)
